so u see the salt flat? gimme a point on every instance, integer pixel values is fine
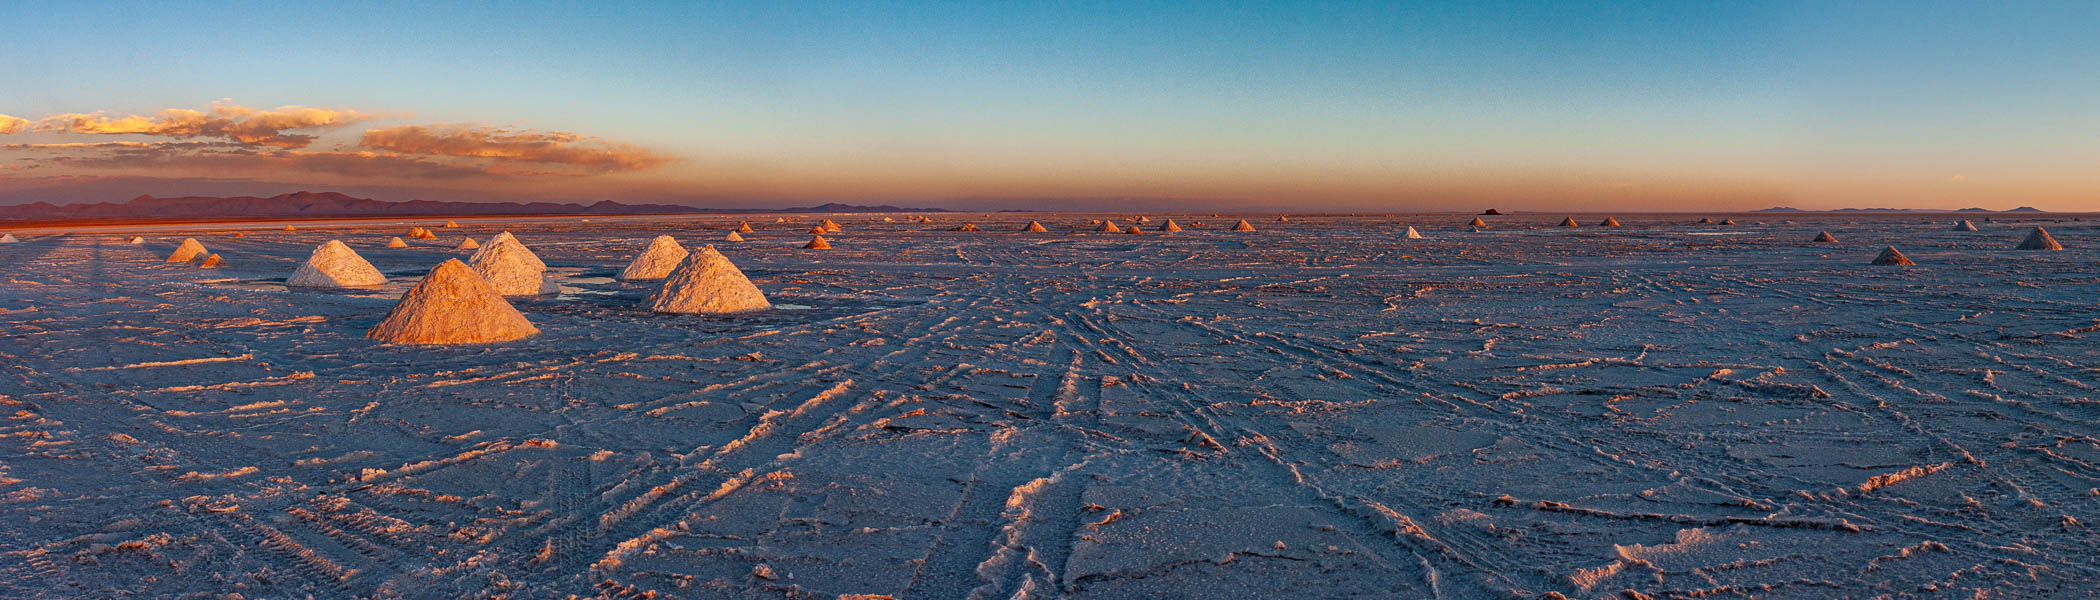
(1317, 409)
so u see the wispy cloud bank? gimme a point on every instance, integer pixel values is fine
(582, 152)
(13, 124)
(225, 120)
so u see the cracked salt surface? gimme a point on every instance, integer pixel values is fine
(1318, 409)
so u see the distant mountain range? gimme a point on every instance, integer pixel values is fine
(1789, 209)
(333, 204)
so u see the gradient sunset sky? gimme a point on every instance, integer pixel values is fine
(1372, 106)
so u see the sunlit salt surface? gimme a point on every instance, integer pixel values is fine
(1318, 409)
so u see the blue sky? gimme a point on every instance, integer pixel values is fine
(1350, 106)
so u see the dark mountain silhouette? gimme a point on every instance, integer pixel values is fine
(333, 204)
(1789, 209)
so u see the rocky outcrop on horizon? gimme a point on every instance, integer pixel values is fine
(335, 204)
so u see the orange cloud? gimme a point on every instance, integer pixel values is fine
(590, 154)
(224, 120)
(13, 124)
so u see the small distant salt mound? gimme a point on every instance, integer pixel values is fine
(452, 305)
(1705, 221)
(1143, 219)
(467, 244)
(1243, 225)
(9, 239)
(135, 240)
(239, 234)
(743, 227)
(656, 261)
(1964, 225)
(780, 219)
(888, 220)
(1728, 222)
(335, 265)
(510, 268)
(189, 250)
(1412, 234)
(817, 243)
(707, 283)
(1824, 237)
(290, 228)
(1490, 212)
(1477, 223)
(1568, 222)
(1134, 230)
(966, 227)
(396, 243)
(1891, 257)
(1283, 219)
(829, 226)
(1609, 222)
(1169, 227)
(211, 262)
(819, 230)
(449, 225)
(2039, 239)
(1034, 227)
(1110, 227)
(733, 237)
(415, 233)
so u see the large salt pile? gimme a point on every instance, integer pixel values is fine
(9, 239)
(707, 283)
(396, 243)
(1413, 235)
(743, 227)
(829, 226)
(1243, 225)
(189, 250)
(1890, 256)
(817, 243)
(1824, 237)
(467, 244)
(1964, 225)
(1169, 227)
(1034, 227)
(1134, 230)
(733, 237)
(1609, 222)
(452, 305)
(335, 265)
(1568, 222)
(818, 230)
(1110, 227)
(1477, 223)
(2039, 240)
(135, 240)
(511, 268)
(656, 261)
(211, 262)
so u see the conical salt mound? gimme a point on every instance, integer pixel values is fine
(414, 232)
(467, 244)
(733, 237)
(1609, 222)
(780, 219)
(656, 261)
(135, 240)
(1243, 225)
(1413, 235)
(510, 268)
(290, 228)
(1134, 230)
(817, 243)
(819, 230)
(427, 235)
(829, 226)
(1728, 222)
(707, 283)
(9, 239)
(1891, 257)
(1705, 221)
(1568, 222)
(450, 224)
(1282, 219)
(966, 227)
(1477, 223)
(1964, 225)
(335, 265)
(1109, 227)
(452, 305)
(396, 243)
(1034, 227)
(1824, 237)
(189, 250)
(1169, 227)
(211, 262)
(743, 227)
(1144, 219)
(2039, 240)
